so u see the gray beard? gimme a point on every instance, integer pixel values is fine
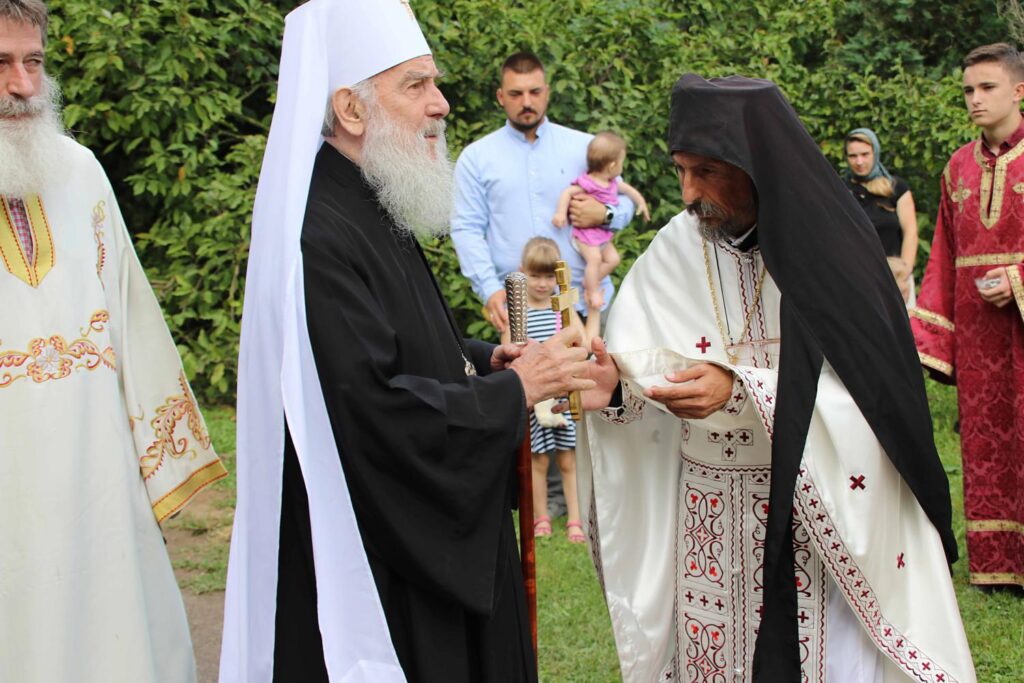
(725, 230)
(414, 185)
(31, 146)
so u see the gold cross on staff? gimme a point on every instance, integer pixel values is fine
(563, 303)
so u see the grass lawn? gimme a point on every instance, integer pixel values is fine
(575, 638)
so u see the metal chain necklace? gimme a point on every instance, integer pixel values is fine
(726, 337)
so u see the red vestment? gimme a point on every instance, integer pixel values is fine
(965, 340)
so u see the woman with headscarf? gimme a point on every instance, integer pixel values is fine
(887, 201)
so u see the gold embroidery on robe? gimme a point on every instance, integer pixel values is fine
(935, 364)
(933, 318)
(175, 409)
(1008, 259)
(52, 358)
(993, 183)
(1001, 578)
(995, 525)
(99, 215)
(11, 251)
(960, 195)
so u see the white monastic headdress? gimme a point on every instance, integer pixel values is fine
(328, 44)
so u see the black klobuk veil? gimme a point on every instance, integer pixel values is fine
(839, 302)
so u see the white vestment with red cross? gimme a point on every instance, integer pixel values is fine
(676, 509)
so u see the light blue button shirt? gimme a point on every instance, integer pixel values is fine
(506, 192)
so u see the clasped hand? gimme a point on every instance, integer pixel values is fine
(549, 369)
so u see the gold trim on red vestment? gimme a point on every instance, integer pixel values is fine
(935, 364)
(997, 579)
(993, 183)
(933, 318)
(1007, 259)
(995, 525)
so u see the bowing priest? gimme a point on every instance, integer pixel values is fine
(101, 438)
(765, 500)
(373, 536)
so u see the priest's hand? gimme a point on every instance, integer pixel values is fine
(695, 392)
(553, 368)
(1001, 294)
(586, 212)
(605, 375)
(495, 310)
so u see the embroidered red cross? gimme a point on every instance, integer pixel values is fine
(688, 596)
(703, 345)
(803, 616)
(900, 564)
(857, 483)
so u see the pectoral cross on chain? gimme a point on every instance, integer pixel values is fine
(563, 303)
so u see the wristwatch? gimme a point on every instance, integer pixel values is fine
(609, 214)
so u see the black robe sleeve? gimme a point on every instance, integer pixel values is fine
(428, 453)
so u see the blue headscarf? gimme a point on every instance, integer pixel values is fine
(878, 170)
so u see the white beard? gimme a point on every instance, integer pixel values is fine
(413, 179)
(30, 146)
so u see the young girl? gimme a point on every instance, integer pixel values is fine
(605, 156)
(550, 431)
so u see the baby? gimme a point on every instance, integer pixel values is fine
(605, 156)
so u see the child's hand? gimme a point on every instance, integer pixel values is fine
(644, 210)
(559, 220)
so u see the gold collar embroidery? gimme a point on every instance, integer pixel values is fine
(11, 251)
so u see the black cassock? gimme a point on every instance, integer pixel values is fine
(428, 452)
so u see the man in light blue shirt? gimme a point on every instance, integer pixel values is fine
(508, 184)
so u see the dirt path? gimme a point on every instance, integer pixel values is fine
(197, 541)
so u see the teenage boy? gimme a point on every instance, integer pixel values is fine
(969, 323)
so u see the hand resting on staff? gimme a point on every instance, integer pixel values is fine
(553, 368)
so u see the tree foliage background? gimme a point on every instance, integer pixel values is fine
(175, 98)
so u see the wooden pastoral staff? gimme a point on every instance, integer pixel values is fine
(563, 302)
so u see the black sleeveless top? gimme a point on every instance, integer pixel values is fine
(881, 212)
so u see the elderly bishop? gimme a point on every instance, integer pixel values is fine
(100, 438)
(373, 536)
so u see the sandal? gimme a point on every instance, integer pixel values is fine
(542, 527)
(574, 530)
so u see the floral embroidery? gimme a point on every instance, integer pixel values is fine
(168, 416)
(99, 216)
(52, 358)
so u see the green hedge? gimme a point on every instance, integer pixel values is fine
(175, 96)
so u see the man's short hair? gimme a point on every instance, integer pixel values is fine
(31, 12)
(603, 150)
(522, 63)
(1001, 53)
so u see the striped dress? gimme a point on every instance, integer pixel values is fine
(541, 324)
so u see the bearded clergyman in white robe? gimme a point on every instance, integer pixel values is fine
(100, 435)
(718, 357)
